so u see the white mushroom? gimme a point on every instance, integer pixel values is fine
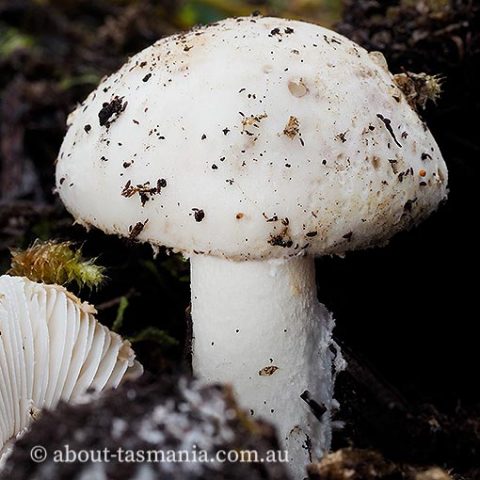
(51, 348)
(251, 146)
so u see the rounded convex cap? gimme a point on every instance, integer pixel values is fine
(251, 138)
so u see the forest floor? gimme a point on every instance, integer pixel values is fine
(54, 52)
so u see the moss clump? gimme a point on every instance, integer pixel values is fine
(56, 263)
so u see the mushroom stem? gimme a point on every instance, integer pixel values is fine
(259, 326)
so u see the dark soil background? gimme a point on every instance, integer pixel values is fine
(406, 313)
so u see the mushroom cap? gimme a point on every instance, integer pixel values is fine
(52, 348)
(251, 138)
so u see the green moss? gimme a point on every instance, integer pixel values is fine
(56, 263)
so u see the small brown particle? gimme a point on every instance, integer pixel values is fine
(198, 214)
(375, 162)
(292, 128)
(422, 172)
(252, 120)
(317, 409)
(239, 216)
(280, 241)
(136, 230)
(145, 191)
(394, 164)
(388, 125)
(268, 371)
(110, 111)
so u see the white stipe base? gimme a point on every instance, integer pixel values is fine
(258, 326)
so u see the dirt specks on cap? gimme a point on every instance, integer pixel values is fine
(198, 214)
(136, 230)
(388, 125)
(281, 240)
(145, 190)
(111, 110)
(268, 371)
(292, 128)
